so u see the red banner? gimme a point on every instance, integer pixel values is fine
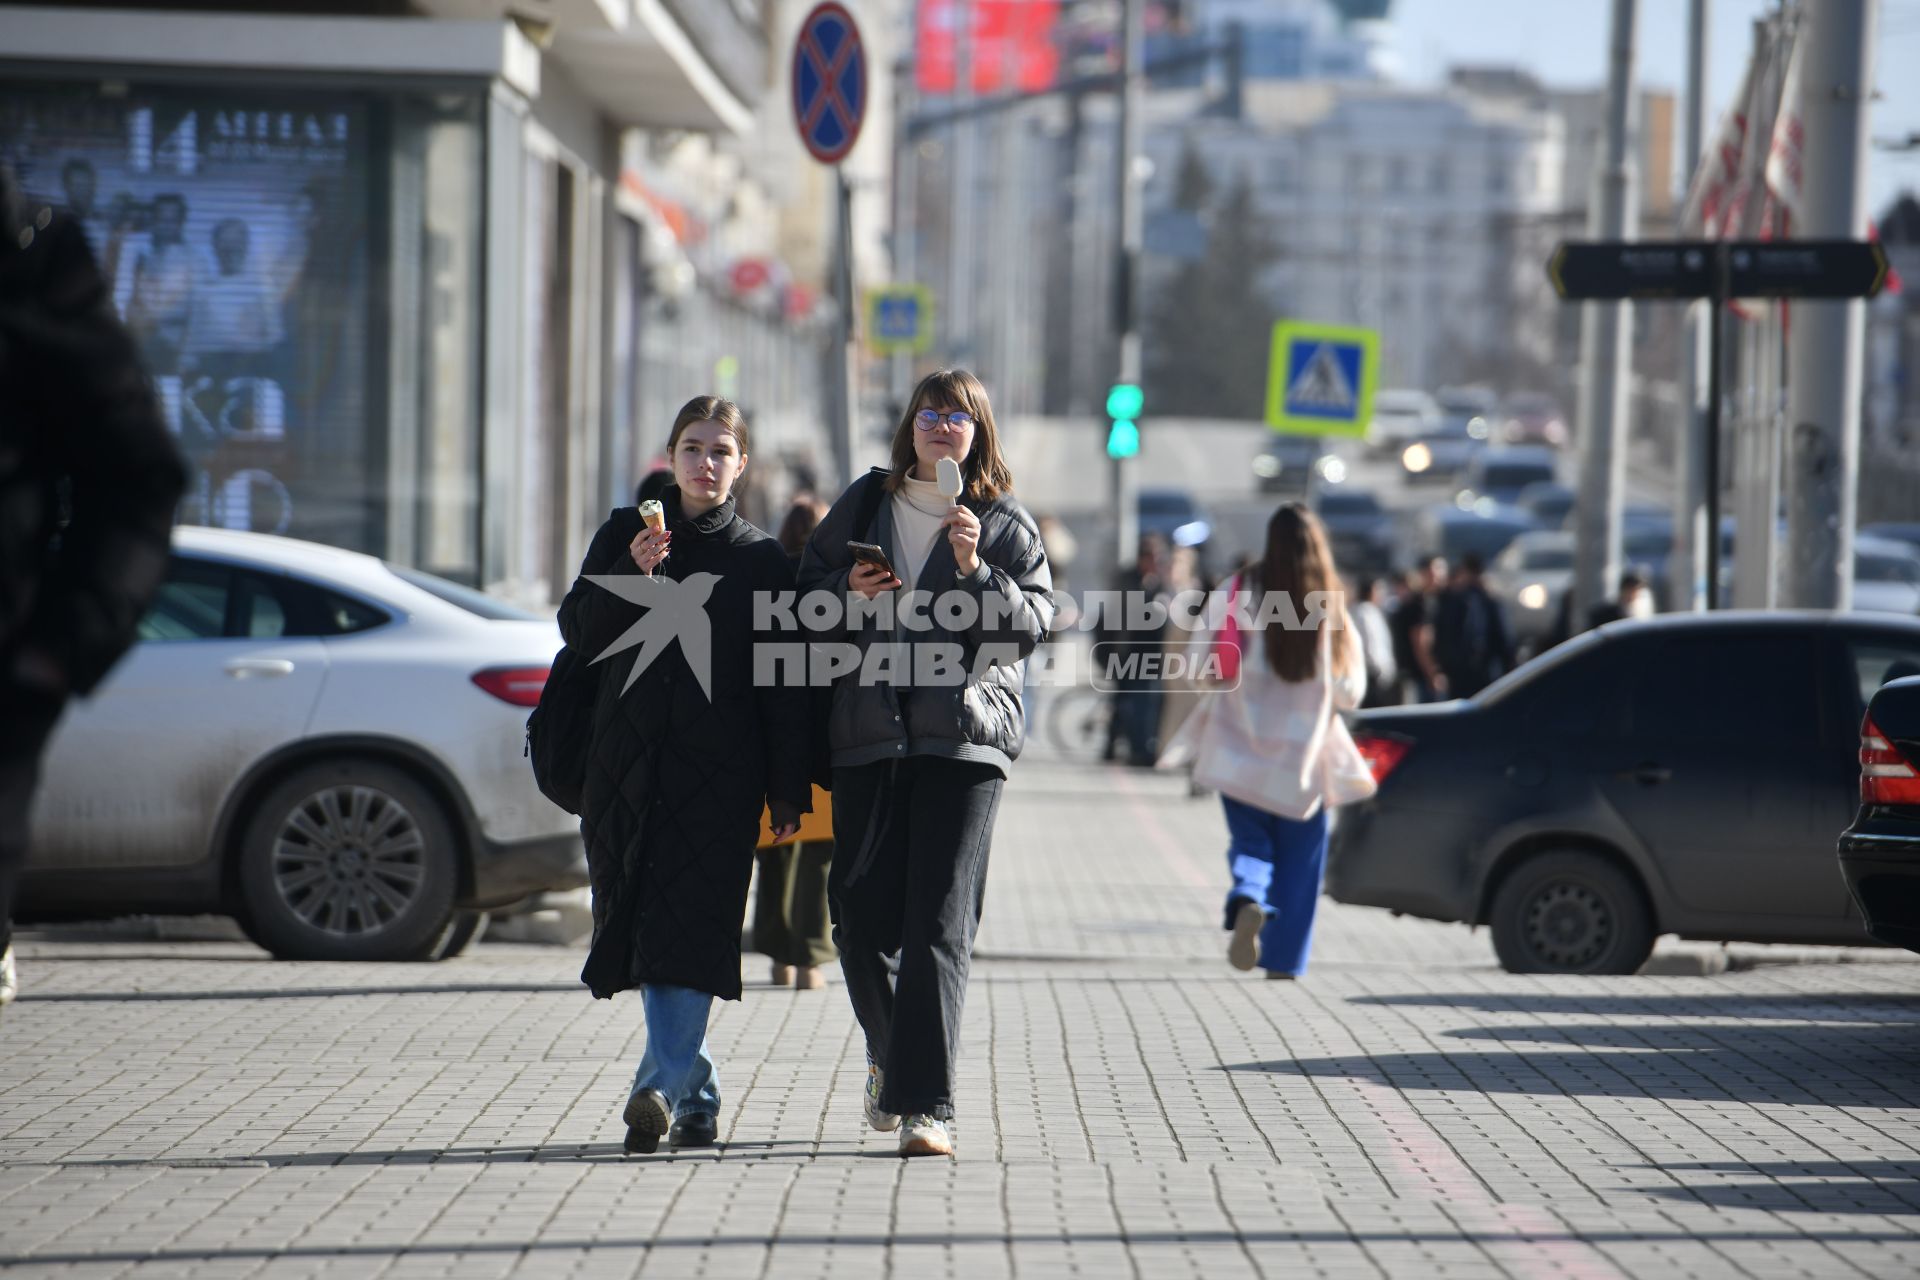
(1013, 45)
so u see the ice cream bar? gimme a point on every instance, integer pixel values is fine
(947, 476)
(654, 514)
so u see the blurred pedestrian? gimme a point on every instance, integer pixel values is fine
(1128, 647)
(1470, 634)
(88, 482)
(1412, 630)
(1376, 642)
(1274, 746)
(652, 485)
(791, 924)
(919, 762)
(1062, 548)
(1633, 601)
(682, 763)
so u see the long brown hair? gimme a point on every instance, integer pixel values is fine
(1298, 563)
(985, 471)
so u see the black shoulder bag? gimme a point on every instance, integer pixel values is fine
(560, 729)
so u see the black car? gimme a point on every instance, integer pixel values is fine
(1286, 463)
(1685, 774)
(1360, 529)
(1880, 852)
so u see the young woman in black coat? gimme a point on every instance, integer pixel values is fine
(918, 764)
(686, 751)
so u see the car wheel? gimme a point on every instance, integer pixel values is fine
(348, 860)
(461, 931)
(1570, 912)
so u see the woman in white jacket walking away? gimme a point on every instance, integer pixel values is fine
(1272, 742)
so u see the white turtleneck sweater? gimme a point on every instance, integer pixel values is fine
(918, 509)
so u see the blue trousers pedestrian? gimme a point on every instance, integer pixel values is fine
(676, 1061)
(1277, 862)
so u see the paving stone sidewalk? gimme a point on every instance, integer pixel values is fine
(1130, 1106)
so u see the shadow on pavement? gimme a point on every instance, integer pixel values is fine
(297, 993)
(1879, 1009)
(1865, 1186)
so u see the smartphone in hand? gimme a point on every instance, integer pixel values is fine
(868, 553)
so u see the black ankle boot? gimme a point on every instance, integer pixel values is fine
(695, 1129)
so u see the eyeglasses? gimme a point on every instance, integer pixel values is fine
(928, 419)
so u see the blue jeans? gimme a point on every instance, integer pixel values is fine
(1277, 862)
(676, 1061)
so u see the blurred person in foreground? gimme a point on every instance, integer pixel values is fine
(1470, 635)
(791, 925)
(919, 765)
(1272, 742)
(683, 761)
(88, 482)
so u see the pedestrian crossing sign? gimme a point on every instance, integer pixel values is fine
(1320, 378)
(899, 318)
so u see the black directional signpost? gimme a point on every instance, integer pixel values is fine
(1602, 270)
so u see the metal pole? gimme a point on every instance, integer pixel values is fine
(1126, 266)
(1710, 447)
(840, 393)
(961, 221)
(1828, 343)
(905, 174)
(1606, 344)
(1696, 541)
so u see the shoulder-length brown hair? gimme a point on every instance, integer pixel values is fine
(1299, 563)
(985, 470)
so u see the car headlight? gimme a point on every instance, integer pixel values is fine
(1332, 469)
(1533, 596)
(1479, 429)
(1417, 458)
(1266, 466)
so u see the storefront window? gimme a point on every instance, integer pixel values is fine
(231, 227)
(300, 270)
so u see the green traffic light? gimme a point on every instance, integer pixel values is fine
(1123, 439)
(1124, 401)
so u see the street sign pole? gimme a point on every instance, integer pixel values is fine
(1126, 267)
(1716, 324)
(829, 97)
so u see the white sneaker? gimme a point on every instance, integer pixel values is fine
(882, 1121)
(9, 977)
(925, 1136)
(1243, 950)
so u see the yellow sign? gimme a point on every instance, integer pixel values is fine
(900, 318)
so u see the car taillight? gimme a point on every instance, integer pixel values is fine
(1381, 753)
(1886, 776)
(519, 685)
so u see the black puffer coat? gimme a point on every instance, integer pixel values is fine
(676, 783)
(982, 720)
(79, 429)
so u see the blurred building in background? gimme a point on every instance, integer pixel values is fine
(427, 278)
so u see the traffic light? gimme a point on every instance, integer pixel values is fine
(1124, 403)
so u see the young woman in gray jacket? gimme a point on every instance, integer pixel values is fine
(923, 733)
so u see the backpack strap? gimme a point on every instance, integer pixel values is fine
(871, 493)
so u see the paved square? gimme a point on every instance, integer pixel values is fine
(1130, 1105)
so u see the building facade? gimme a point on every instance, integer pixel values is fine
(406, 273)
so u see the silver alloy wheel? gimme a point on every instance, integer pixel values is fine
(1568, 924)
(349, 860)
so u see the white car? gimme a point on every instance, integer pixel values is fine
(323, 745)
(1400, 418)
(1886, 575)
(1533, 576)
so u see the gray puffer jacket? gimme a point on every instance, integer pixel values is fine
(980, 719)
